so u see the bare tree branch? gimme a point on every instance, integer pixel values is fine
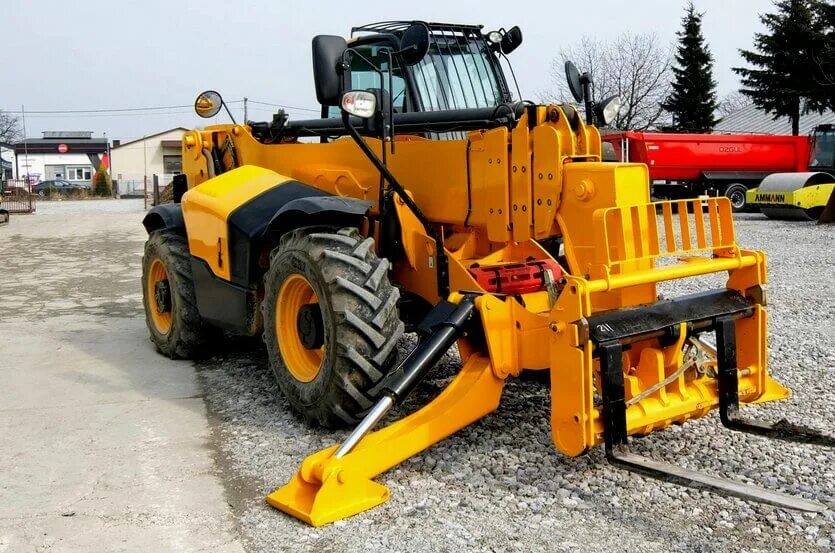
(9, 128)
(635, 67)
(732, 102)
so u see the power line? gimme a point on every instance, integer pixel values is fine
(283, 106)
(147, 109)
(108, 110)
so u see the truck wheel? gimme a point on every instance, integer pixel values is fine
(171, 314)
(736, 193)
(331, 323)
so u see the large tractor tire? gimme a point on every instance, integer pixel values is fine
(176, 328)
(331, 323)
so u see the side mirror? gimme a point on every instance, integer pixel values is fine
(414, 44)
(572, 75)
(208, 104)
(511, 40)
(359, 103)
(328, 74)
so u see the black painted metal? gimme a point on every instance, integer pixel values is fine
(614, 405)
(697, 309)
(615, 428)
(446, 329)
(729, 411)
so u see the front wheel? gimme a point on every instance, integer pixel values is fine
(331, 323)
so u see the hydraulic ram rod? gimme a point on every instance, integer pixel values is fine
(413, 369)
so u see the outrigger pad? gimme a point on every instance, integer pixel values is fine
(340, 496)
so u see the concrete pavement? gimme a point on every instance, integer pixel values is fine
(104, 444)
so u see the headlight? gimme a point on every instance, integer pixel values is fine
(494, 37)
(359, 103)
(609, 109)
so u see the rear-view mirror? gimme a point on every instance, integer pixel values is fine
(414, 44)
(328, 51)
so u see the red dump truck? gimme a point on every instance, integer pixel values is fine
(687, 165)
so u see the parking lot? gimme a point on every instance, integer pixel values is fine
(108, 446)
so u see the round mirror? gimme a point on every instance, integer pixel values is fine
(208, 104)
(572, 75)
(414, 44)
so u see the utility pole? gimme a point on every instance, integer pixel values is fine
(245, 100)
(25, 148)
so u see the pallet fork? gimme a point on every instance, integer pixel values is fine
(727, 374)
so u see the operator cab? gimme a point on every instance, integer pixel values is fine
(822, 157)
(459, 70)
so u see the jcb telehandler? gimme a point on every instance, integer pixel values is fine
(425, 198)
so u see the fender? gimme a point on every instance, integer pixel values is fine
(286, 207)
(165, 216)
(302, 212)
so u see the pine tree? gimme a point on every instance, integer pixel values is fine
(822, 94)
(692, 102)
(102, 185)
(781, 79)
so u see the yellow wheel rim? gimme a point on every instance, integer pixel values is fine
(303, 363)
(161, 316)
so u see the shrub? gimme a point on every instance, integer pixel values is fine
(102, 185)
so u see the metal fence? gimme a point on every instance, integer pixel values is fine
(143, 186)
(16, 196)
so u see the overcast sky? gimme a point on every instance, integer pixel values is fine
(91, 54)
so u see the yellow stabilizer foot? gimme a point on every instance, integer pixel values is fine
(339, 496)
(326, 489)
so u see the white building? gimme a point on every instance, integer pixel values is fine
(66, 155)
(136, 162)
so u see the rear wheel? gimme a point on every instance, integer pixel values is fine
(736, 194)
(176, 328)
(331, 323)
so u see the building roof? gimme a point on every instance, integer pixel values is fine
(752, 120)
(68, 134)
(50, 145)
(123, 144)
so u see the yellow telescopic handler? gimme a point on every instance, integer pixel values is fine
(427, 199)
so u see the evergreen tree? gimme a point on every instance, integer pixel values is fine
(781, 80)
(692, 102)
(102, 185)
(822, 94)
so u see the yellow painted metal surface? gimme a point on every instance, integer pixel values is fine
(495, 197)
(207, 206)
(326, 489)
(804, 198)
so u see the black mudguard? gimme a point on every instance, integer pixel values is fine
(165, 216)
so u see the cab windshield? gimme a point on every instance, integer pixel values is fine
(457, 73)
(823, 152)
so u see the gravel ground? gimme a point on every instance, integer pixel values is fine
(499, 485)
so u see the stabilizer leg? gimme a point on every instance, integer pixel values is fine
(326, 488)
